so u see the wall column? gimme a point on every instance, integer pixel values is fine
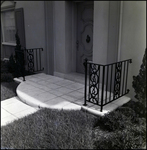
(100, 31)
(49, 37)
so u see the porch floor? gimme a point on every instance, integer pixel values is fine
(42, 90)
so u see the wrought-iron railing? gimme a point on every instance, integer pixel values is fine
(106, 83)
(28, 61)
(33, 60)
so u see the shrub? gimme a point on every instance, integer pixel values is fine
(129, 113)
(139, 82)
(12, 65)
(113, 121)
(4, 66)
(138, 108)
(6, 77)
(132, 137)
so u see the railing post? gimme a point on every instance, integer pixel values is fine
(102, 88)
(127, 90)
(23, 65)
(85, 92)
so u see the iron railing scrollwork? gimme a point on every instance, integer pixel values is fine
(94, 83)
(106, 83)
(33, 60)
(28, 61)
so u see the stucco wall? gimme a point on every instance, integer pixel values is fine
(49, 36)
(100, 31)
(133, 37)
(68, 36)
(34, 24)
(59, 31)
(105, 31)
(113, 31)
(63, 37)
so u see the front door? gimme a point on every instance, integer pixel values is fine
(84, 34)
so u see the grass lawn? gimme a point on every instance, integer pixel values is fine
(124, 128)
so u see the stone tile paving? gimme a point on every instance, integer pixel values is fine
(13, 109)
(41, 90)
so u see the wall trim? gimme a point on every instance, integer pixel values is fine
(49, 37)
(74, 36)
(120, 29)
(9, 44)
(7, 7)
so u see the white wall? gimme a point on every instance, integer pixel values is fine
(59, 31)
(100, 31)
(113, 31)
(34, 20)
(133, 37)
(105, 31)
(68, 36)
(63, 37)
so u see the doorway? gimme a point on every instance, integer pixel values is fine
(84, 39)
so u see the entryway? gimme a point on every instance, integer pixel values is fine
(42, 90)
(84, 39)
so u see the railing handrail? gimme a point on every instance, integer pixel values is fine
(34, 63)
(113, 78)
(90, 62)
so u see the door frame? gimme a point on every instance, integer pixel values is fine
(74, 35)
(84, 4)
(51, 44)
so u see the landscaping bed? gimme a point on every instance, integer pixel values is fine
(8, 85)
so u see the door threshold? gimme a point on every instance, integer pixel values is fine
(76, 77)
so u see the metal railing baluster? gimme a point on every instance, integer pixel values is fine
(118, 77)
(85, 64)
(102, 88)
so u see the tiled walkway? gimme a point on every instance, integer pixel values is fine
(13, 109)
(42, 90)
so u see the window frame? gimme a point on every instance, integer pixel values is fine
(6, 9)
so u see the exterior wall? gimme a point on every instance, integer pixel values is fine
(133, 37)
(106, 31)
(34, 25)
(68, 36)
(63, 37)
(34, 22)
(6, 51)
(113, 31)
(59, 31)
(100, 31)
(49, 36)
(2, 53)
(52, 26)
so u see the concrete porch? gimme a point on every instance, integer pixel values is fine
(42, 90)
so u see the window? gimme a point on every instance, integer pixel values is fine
(8, 27)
